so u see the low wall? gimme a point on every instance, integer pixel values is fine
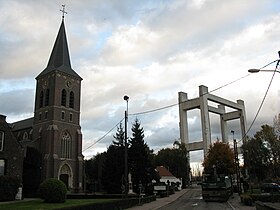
(267, 206)
(112, 205)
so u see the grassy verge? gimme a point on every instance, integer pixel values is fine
(38, 204)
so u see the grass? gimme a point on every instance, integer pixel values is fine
(38, 204)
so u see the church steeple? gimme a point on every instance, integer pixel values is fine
(60, 59)
(56, 122)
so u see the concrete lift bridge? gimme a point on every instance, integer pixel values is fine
(185, 105)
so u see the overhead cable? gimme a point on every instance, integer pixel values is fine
(103, 135)
(176, 104)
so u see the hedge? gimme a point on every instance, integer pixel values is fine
(9, 187)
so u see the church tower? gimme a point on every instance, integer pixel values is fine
(56, 129)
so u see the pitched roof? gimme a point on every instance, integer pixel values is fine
(163, 171)
(23, 124)
(60, 59)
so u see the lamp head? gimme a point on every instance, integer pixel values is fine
(253, 70)
(125, 98)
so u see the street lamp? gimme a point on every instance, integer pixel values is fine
(258, 70)
(267, 70)
(125, 145)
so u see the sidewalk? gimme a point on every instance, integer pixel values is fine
(235, 203)
(160, 202)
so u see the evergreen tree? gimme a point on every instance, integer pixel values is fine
(119, 137)
(113, 170)
(139, 158)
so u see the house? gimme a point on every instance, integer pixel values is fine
(167, 177)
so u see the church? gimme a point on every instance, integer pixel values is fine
(51, 141)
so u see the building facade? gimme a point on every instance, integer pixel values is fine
(52, 139)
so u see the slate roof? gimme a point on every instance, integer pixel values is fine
(59, 58)
(23, 124)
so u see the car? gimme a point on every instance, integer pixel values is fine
(270, 187)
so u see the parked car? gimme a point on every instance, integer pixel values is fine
(270, 187)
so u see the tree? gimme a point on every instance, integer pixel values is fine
(275, 146)
(256, 155)
(139, 158)
(262, 153)
(220, 157)
(93, 171)
(175, 160)
(119, 137)
(113, 170)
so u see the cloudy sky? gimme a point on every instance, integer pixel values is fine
(149, 50)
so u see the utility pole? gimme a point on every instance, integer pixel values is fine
(237, 170)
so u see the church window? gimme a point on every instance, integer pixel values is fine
(62, 115)
(66, 145)
(25, 136)
(70, 117)
(41, 99)
(40, 116)
(47, 97)
(46, 114)
(2, 140)
(2, 167)
(71, 100)
(63, 97)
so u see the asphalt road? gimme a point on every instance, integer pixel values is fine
(192, 199)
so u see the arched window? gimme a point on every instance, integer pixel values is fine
(63, 97)
(41, 99)
(47, 97)
(25, 136)
(71, 100)
(2, 135)
(66, 145)
(2, 167)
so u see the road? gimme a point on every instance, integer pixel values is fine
(192, 199)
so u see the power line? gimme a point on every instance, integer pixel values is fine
(103, 135)
(228, 84)
(262, 102)
(169, 106)
(157, 109)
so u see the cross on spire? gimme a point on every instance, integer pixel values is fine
(63, 11)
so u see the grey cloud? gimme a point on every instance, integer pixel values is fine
(17, 102)
(190, 46)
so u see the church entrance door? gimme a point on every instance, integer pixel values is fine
(66, 175)
(64, 178)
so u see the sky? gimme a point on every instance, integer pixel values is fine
(148, 50)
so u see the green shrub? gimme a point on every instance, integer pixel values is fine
(8, 187)
(53, 191)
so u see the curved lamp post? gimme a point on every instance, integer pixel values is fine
(258, 70)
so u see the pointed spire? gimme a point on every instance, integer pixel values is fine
(60, 59)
